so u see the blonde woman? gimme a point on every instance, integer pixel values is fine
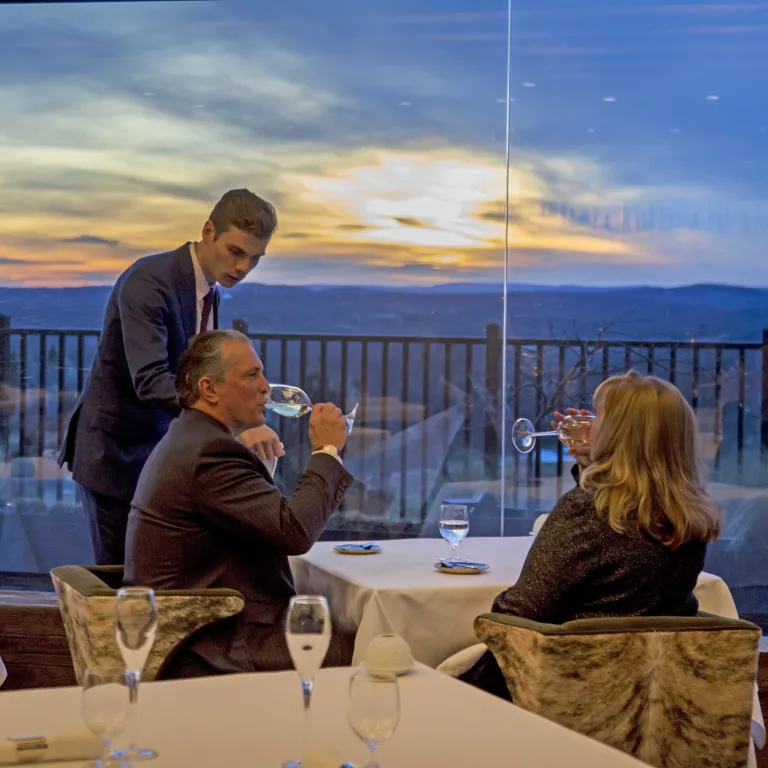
(630, 540)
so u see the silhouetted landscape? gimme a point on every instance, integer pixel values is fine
(703, 312)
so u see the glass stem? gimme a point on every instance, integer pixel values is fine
(107, 757)
(134, 675)
(306, 688)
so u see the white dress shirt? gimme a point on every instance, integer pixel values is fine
(202, 288)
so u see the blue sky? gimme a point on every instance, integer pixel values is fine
(378, 129)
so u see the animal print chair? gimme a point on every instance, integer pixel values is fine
(673, 692)
(86, 599)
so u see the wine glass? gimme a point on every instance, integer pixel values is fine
(135, 629)
(308, 635)
(105, 707)
(293, 402)
(572, 431)
(373, 711)
(454, 527)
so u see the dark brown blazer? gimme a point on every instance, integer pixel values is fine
(207, 514)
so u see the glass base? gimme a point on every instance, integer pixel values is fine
(135, 754)
(297, 764)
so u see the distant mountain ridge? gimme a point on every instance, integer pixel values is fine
(704, 312)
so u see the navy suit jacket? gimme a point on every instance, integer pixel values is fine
(130, 396)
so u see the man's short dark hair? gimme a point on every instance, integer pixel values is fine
(202, 358)
(241, 209)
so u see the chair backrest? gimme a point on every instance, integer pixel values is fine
(87, 604)
(673, 692)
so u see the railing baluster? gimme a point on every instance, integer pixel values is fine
(468, 404)
(539, 404)
(344, 376)
(424, 441)
(23, 394)
(384, 416)
(673, 364)
(323, 369)
(263, 343)
(363, 415)
(62, 383)
(42, 392)
(650, 359)
(742, 389)
(718, 395)
(80, 363)
(695, 382)
(563, 396)
(303, 385)
(403, 427)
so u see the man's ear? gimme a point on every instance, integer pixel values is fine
(208, 390)
(209, 232)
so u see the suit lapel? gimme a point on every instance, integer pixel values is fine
(186, 290)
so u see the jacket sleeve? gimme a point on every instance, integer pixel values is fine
(237, 498)
(559, 562)
(143, 307)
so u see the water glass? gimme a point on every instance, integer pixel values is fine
(135, 629)
(454, 527)
(308, 635)
(105, 704)
(373, 711)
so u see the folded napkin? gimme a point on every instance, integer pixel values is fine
(74, 745)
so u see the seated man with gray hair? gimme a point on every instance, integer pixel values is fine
(207, 514)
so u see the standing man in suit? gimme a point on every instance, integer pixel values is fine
(206, 513)
(157, 305)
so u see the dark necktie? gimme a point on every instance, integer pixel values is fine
(205, 315)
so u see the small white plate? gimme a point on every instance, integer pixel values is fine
(357, 549)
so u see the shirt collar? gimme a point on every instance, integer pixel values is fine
(202, 287)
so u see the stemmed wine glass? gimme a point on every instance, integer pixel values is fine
(373, 712)
(572, 431)
(105, 708)
(135, 628)
(308, 634)
(454, 527)
(293, 402)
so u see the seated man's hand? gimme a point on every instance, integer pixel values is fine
(264, 442)
(327, 426)
(581, 454)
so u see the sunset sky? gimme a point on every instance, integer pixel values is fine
(378, 130)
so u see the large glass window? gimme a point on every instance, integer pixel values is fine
(378, 131)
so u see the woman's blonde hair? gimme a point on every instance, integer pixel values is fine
(645, 471)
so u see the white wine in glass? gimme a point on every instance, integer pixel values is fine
(573, 432)
(308, 635)
(294, 403)
(135, 629)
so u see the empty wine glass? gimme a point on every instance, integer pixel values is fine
(373, 711)
(308, 634)
(135, 629)
(454, 527)
(294, 402)
(572, 431)
(105, 708)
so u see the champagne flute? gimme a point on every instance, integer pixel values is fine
(454, 527)
(373, 712)
(135, 629)
(293, 402)
(572, 431)
(105, 708)
(308, 635)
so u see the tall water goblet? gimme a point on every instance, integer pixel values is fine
(373, 711)
(308, 635)
(105, 705)
(454, 527)
(572, 431)
(135, 629)
(293, 402)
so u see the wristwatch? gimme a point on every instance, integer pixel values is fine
(331, 450)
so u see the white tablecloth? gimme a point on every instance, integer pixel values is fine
(255, 721)
(399, 591)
